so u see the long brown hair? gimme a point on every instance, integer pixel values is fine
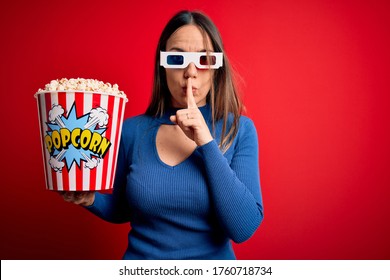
(223, 97)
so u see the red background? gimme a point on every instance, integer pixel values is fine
(315, 78)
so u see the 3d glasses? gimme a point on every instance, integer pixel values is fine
(180, 60)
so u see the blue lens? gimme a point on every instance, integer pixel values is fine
(175, 59)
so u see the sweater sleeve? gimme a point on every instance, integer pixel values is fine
(235, 188)
(113, 207)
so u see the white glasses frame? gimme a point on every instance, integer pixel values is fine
(189, 57)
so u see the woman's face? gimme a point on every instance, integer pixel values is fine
(188, 38)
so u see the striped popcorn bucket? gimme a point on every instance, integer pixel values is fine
(80, 134)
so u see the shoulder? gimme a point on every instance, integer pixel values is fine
(245, 141)
(246, 125)
(247, 132)
(138, 119)
(136, 122)
(134, 126)
(246, 122)
(134, 131)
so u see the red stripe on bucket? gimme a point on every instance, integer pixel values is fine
(92, 182)
(79, 100)
(117, 140)
(42, 112)
(64, 171)
(48, 108)
(110, 110)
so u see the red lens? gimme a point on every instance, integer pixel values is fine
(207, 60)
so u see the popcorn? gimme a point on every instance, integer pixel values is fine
(82, 85)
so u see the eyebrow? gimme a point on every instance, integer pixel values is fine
(176, 49)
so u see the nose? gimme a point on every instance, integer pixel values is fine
(191, 71)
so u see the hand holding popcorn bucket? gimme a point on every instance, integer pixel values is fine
(80, 126)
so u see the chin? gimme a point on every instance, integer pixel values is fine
(179, 104)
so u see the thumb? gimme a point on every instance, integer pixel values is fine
(173, 119)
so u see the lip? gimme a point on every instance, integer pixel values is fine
(193, 89)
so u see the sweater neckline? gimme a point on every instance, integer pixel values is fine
(164, 119)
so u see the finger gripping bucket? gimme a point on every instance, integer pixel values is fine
(80, 135)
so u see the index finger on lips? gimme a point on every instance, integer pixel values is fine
(191, 103)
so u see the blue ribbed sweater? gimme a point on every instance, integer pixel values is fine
(189, 211)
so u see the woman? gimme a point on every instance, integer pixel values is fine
(187, 173)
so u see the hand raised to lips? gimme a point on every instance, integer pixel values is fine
(191, 120)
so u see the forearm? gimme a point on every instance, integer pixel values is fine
(237, 201)
(106, 208)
